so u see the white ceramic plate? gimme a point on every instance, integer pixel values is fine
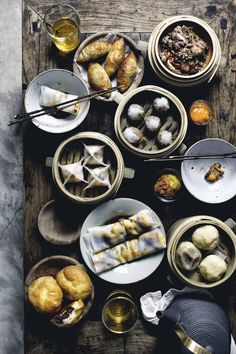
(193, 172)
(62, 80)
(129, 272)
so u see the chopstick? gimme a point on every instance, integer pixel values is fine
(21, 117)
(187, 158)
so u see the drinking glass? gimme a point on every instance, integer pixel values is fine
(62, 23)
(119, 313)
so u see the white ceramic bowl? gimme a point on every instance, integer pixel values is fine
(193, 171)
(62, 80)
(129, 272)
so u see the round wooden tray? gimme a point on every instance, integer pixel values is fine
(59, 226)
(51, 266)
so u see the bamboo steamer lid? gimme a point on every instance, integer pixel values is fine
(146, 152)
(182, 231)
(184, 80)
(70, 151)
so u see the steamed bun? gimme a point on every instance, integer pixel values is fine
(187, 256)
(206, 237)
(212, 268)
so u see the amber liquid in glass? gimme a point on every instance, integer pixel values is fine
(66, 34)
(119, 315)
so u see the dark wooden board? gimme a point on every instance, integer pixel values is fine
(39, 55)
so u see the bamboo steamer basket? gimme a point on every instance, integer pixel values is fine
(184, 80)
(70, 151)
(182, 231)
(81, 69)
(150, 150)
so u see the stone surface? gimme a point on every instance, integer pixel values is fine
(11, 177)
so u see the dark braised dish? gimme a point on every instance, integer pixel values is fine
(183, 51)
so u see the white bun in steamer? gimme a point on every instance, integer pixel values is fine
(206, 237)
(212, 268)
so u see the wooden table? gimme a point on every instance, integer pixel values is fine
(138, 18)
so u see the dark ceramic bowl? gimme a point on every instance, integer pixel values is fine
(178, 194)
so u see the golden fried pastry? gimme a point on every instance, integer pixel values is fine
(69, 315)
(45, 295)
(127, 71)
(74, 282)
(115, 57)
(98, 78)
(93, 51)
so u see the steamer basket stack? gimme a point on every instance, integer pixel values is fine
(184, 80)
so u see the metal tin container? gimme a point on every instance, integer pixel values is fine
(181, 230)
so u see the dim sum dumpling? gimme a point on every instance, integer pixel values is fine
(212, 268)
(98, 78)
(93, 51)
(50, 97)
(98, 177)
(115, 57)
(73, 172)
(146, 218)
(187, 256)
(99, 238)
(148, 243)
(127, 72)
(206, 237)
(93, 154)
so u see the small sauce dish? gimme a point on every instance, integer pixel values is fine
(167, 185)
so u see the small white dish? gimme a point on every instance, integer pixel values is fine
(193, 171)
(61, 80)
(130, 272)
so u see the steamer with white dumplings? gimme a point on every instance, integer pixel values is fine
(182, 230)
(148, 148)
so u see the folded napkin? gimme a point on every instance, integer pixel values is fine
(155, 301)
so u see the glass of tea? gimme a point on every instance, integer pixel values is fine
(62, 23)
(119, 313)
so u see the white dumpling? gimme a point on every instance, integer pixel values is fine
(50, 97)
(187, 256)
(98, 177)
(93, 154)
(206, 237)
(152, 123)
(161, 104)
(73, 172)
(165, 137)
(135, 112)
(212, 268)
(133, 135)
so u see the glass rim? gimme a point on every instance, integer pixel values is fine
(131, 302)
(57, 5)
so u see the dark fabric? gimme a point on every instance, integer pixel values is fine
(203, 320)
